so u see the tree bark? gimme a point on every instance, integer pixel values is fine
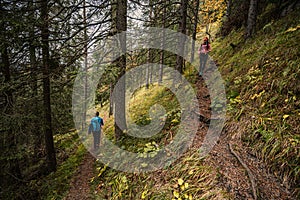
(195, 30)
(50, 151)
(121, 25)
(182, 29)
(163, 42)
(228, 10)
(34, 83)
(85, 53)
(147, 76)
(251, 22)
(111, 105)
(113, 30)
(10, 138)
(32, 52)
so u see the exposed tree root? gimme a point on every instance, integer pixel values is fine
(250, 175)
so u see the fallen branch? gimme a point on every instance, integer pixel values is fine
(250, 175)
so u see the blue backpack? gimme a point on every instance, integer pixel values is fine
(95, 124)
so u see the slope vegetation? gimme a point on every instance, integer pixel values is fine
(263, 88)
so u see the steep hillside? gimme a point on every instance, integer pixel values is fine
(262, 77)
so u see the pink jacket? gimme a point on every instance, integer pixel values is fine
(203, 49)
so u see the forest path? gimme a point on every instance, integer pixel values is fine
(235, 165)
(80, 183)
(234, 177)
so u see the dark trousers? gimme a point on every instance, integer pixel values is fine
(97, 137)
(203, 61)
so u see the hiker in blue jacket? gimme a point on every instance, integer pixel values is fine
(95, 128)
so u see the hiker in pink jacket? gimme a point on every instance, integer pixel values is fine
(203, 51)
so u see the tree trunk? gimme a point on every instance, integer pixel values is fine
(7, 79)
(113, 29)
(182, 29)
(85, 53)
(121, 23)
(32, 52)
(228, 10)
(10, 138)
(50, 151)
(163, 42)
(111, 109)
(34, 83)
(147, 76)
(195, 30)
(207, 30)
(251, 22)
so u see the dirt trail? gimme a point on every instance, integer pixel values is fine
(234, 178)
(80, 187)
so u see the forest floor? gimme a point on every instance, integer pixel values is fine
(241, 174)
